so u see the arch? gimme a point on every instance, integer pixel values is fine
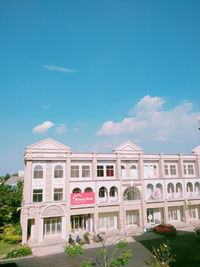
(123, 171)
(88, 190)
(150, 190)
(58, 171)
(38, 172)
(76, 190)
(189, 187)
(179, 190)
(158, 193)
(103, 192)
(197, 188)
(113, 191)
(53, 211)
(170, 190)
(131, 193)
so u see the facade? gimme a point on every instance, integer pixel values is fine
(76, 192)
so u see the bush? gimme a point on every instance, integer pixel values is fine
(73, 250)
(13, 234)
(20, 251)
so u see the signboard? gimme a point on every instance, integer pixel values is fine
(82, 198)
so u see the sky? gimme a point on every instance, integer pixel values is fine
(93, 74)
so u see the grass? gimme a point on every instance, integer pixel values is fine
(5, 247)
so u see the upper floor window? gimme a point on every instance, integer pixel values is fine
(170, 170)
(76, 190)
(109, 170)
(133, 171)
(188, 169)
(150, 171)
(85, 171)
(123, 171)
(58, 194)
(113, 191)
(58, 171)
(132, 193)
(100, 170)
(38, 172)
(88, 190)
(102, 192)
(37, 195)
(75, 171)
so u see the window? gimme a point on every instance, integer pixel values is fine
(52, 226)
(188, 169)
(133, 171)
(58, 171)
(38, 172)
(123, 171)
(76, 190)
(106, 221)
(113, 191)
(37, 195)
(150, 171)
(131, 218)
(109, 170)
(85, 171)
(75, 171)
(100, 171)
(58, 194)
(88, 190)
(170, 169)
(131, 193)
(102, 192)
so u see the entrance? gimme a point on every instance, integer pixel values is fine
(52, 226)
(175, 214)
(31, 228)
(83, 222)
(155, 216)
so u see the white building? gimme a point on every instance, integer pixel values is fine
(65, 191)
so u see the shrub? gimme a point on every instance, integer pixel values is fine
(73, 250)
(13, 234)
(21, 251)
(85, 235)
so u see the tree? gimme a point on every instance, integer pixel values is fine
(10, 199)
(120, 255)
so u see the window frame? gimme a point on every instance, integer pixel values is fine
(37, 195)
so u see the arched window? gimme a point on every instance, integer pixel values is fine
(149, 191)
(58, 171)
(38, 172)
(131, 193)
(158, 192)
(76, 190)
(133, 171)
(189, 188)
(179, 190)
(102, 192)
(113, 191)
(88, 190)
(170, 190)
(123, 171)
(197, 188)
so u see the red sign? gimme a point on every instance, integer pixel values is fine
(82, 198)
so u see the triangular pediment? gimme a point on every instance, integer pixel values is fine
(128, 147)
(196, 150)
(48, 145)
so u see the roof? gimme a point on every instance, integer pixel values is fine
(14, 179)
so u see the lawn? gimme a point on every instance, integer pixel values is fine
(5, 247)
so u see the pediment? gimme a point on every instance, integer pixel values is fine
(196, 150)
(128, 147)
(48, 145)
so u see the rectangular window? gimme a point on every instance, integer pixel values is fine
(75, 171)
(110, 170)
(58, 194)
(100, 171)
(190, 169)
(166, 170)
(106, 222)
(85, 171)
(172, 169)
(37, 195)
(185, 170)
(150, 171)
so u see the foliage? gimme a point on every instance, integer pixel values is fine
(3, 179)
(10, 199)
(12, 234)
(5, 247)
(123, 255)
(87, 264)
(73, 250)
(85, 235)
(20, 251)
(162, 256)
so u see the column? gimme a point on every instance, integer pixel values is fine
(66, 222)
(28, 182)
(37, 226)
(143, 202)
(48, 197)
(162, 176)
(94, 177)
(24, 225)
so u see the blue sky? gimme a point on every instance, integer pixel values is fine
(93, 74)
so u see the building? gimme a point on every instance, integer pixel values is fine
(13, 180)
(66, 191)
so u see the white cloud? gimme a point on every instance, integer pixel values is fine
(45, 107)
(45, 126)
(150, 121)
(62, 128)
(57, 68)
